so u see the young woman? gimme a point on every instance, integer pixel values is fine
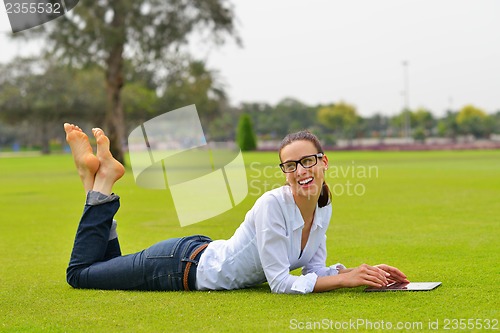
(284, 230)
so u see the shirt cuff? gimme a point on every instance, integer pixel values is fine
(336, 268)
(305, 283)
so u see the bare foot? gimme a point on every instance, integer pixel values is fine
(110, 170)
(86, 162)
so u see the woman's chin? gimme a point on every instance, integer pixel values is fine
(309, 192)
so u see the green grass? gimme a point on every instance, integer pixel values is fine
(435, 215)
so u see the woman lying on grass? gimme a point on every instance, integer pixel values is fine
(283, 231)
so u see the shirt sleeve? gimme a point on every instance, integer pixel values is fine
(272, 244)
(317, 264)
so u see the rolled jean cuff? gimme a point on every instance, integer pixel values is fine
(95, 198)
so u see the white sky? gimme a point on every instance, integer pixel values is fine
(323, 51)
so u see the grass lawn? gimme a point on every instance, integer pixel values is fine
(435, 215)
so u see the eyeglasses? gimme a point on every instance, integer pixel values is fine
(307, 162)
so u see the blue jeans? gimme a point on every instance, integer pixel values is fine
(96, 262)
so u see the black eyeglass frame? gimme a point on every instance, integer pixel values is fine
(316, 156)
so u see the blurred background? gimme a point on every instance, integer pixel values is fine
(361, 74)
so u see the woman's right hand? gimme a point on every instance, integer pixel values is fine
(366, 275)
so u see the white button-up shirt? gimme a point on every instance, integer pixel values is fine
(266, 247)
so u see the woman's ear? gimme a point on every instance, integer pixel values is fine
(325, 162)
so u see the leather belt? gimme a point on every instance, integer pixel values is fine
(189, 263)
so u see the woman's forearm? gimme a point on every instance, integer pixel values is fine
(327, 283)
(364, 275)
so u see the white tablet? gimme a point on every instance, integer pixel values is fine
(407, 286)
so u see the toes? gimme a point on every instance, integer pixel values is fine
(101, 139)
(97, 132)
(70, 128)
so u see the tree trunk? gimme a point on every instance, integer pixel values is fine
(114, 121)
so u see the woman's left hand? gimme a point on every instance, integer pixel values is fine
(395, 274)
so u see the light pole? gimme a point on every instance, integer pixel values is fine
(407, 99)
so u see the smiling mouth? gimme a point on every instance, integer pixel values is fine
(305, 181)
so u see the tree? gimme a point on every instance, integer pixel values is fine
(89, 100)
(273, 122)
(7, 135)
(376, 126)
(423, 124)
(399, 121)
(13, 89)
(447, 126)
(262, 115)
(190, 82)
(472, 120)
(295, 115)
(107, 32)
(223, 128)
(40, 93)
(245, 135)
(496, 122)
(341, 118)
(423, 118)
(140, 103)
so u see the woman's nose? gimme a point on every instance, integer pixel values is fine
(300, 169)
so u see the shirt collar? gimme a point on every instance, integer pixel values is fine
(299, 222)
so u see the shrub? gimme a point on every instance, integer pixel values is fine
(245, 137)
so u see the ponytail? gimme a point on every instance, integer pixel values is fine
(325, 198)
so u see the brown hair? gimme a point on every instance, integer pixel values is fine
(325, 196)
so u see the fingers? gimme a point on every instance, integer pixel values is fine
(373, 276)
(394, 273)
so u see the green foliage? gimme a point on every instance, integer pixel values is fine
(38, 92)
(245, 135)
(419, 134)
(292, 112)
(96, 32)
(375, 126)
(469, 112)
(444, 200)
(472, 120)
(423, 119)
(496, 122)
(191, 82)
(223, 127)
(107, 33)
(265, 118)
(41, 95)
(274, 122)
(140, 102)
(400, 120)
(341, 118)
(89, 96)
(447, 126)
(7, 135)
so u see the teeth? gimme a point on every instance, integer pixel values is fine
(306, 181)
